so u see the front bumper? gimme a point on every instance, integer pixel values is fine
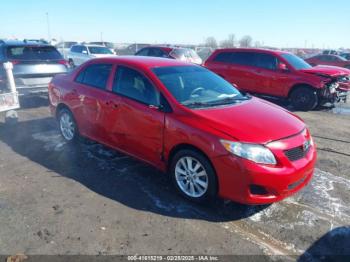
(237, 177)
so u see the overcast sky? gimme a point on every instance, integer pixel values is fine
(293, 23)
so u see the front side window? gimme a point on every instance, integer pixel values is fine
(95, 75)
(99, 50)
(134, 85)
(296, 62)
(197, 87)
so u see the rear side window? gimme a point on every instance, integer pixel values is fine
(156, 52)
(134, 85)
(224, 57)
(143, 52)
(243, 58)
(266, 61)
(76, 49)
(33, 53)
(95, 75)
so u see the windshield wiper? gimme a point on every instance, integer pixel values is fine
(229, 100)
(197, 104)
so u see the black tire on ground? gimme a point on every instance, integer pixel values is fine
(212, 186)
(71, 63)
(66, 114)
(304, 98)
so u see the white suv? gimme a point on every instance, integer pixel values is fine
(79, 54)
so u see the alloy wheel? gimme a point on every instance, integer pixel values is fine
(191, 177)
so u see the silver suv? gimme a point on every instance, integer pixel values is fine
(34, 65)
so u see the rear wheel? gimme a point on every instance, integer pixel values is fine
(193, 176)
(67, 125)
(304, 98)
(71, 63)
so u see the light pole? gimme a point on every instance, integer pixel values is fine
(48, 27)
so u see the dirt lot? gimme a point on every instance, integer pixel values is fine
(59, 199)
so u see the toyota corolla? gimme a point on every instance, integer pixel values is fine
(188, 122)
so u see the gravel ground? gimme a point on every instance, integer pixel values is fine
(88, 199)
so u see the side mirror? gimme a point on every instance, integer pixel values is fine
(84, 52)
(283, 67)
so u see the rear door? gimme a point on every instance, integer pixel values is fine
(241, 71)
(91, 99)
(139, 128)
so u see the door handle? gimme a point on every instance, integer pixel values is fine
(112, 104)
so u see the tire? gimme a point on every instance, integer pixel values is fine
(67, 126)
(304, 98)
(71, 63)
(204, 185)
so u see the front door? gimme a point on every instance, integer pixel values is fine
(139, 128)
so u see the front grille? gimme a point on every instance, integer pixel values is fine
(296, 153)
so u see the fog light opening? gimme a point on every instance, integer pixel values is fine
(258, 190)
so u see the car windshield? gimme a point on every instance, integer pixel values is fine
(69, 44)
(296, 61)
(341, 58)
(33, 53)
(106, 44)
(197, 87)
(100, 50)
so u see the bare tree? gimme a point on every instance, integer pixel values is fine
(211, 42)
(229, 42)
(257, 44)
(246, 41)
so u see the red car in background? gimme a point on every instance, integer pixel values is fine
(179, 53)
(187, 121)
(331, 60)
(280, 74)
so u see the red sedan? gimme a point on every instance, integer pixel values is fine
(187, 121)
(330, 60)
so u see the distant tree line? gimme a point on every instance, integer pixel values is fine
(231, 41)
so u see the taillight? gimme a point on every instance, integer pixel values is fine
(63, 62)
(15, 62)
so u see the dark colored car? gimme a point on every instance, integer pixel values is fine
(345, 55)
(183, 54)
(184, 119)
(331, 60)
(280, 74)
(34, 65)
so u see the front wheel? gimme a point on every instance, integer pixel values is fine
(67, 125)
(304, 98)
(193, 176)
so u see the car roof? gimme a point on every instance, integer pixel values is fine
(260, 50)
(88, 45)
(142, 61)
(23, 43)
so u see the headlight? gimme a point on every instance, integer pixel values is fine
(256, 153)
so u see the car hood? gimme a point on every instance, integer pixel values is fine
(102, 55)
(252, 121)
(322, 70)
